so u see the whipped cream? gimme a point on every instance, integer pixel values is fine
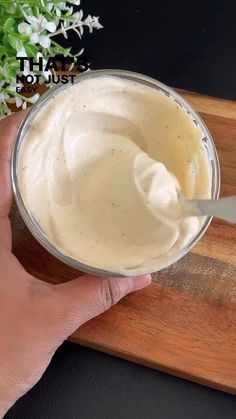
(100, 169)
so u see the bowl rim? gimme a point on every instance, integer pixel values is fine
(35, 229)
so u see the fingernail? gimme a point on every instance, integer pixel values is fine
(139, 282)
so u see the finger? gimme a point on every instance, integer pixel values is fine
(8, 130)
(86, 297)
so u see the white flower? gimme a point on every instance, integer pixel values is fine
(24, 28)
(38, 24)
(36, 30)
(42, 40)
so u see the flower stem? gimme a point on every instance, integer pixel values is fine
(60, 31)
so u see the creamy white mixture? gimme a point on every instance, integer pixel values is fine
(99, 170)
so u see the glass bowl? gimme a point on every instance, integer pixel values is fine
(35, 228)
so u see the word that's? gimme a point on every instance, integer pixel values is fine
(52, 63)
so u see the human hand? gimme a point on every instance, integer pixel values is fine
(36, 317)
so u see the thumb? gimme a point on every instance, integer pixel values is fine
(83, 298)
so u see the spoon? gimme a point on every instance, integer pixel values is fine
(224, 208)
(155, 184)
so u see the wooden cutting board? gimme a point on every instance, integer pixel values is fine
(185, 322)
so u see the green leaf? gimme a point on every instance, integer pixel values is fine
(13, 65)
(5, 41)
(13, 40)
(31, 49)
(9, 23)
(3, 50)
(13, 72)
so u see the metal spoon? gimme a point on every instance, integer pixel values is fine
(224, 208)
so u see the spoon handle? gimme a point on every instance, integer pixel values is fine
(224, 208)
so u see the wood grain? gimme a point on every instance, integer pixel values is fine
(185, 322)
(210, 105)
